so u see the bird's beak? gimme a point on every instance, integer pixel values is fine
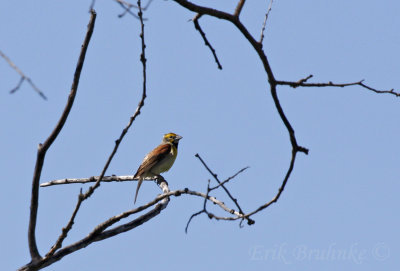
(178, 137)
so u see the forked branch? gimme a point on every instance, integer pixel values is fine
(23, 77)
(274, 83)
(303, 83)
(42, 149)
(89, 192)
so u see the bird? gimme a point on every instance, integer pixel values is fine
(158, 160)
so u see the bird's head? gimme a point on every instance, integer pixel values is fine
(172, 138)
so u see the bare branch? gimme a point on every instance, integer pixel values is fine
(228, 179)
(303, 83)
(258, 48)
(100, 233)
(130, 178)
(204, 210)
(92, 5)
(265, 21)
(239, 8)
(219, 182)
(21, 80)
(249, 221)
(275, 199)
(207, 43)
(207, 197)
(92, 179)
(127, 9)
(23, 77)
(164, 198)
(191, 217)
(42, 149)
(271, 78)
(66, 229)
(175, 193)
(128, 6)
(91, 189)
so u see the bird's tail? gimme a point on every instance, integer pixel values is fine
(140, 181)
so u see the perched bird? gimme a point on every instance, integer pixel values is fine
(158, 160)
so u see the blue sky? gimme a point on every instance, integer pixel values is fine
(341, 199)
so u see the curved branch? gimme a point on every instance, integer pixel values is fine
(46, 145)
(257, 45)
(207, 43)
(89, 192)
(100, 233)
(277, 196)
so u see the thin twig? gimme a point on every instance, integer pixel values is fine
(281, 188)
(215, 176)
(92, 5)
(191, 217)
(228, 179)
(23, 77)
(49, 141)
(91, 189)
(21, 80)
(204, 210)
(239, 8)
(249, 221)
(128, 6)
(207, 43)
(127, 9)
(265, 21)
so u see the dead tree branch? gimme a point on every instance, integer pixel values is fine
(42, 149)
(233, 18)
(215, 176)
(303, 83)
(92, 179)
(129, 6)
(104, 230)
(239, 8)
(89, 192)
(22, 79)
(207, 197)
(37, 260)
(207, 43)
(99, 232)
(265, 21)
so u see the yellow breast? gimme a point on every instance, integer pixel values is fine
(167, 162)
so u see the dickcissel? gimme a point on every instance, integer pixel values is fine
(158, 160)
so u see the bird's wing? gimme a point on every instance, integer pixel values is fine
(152, 158)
